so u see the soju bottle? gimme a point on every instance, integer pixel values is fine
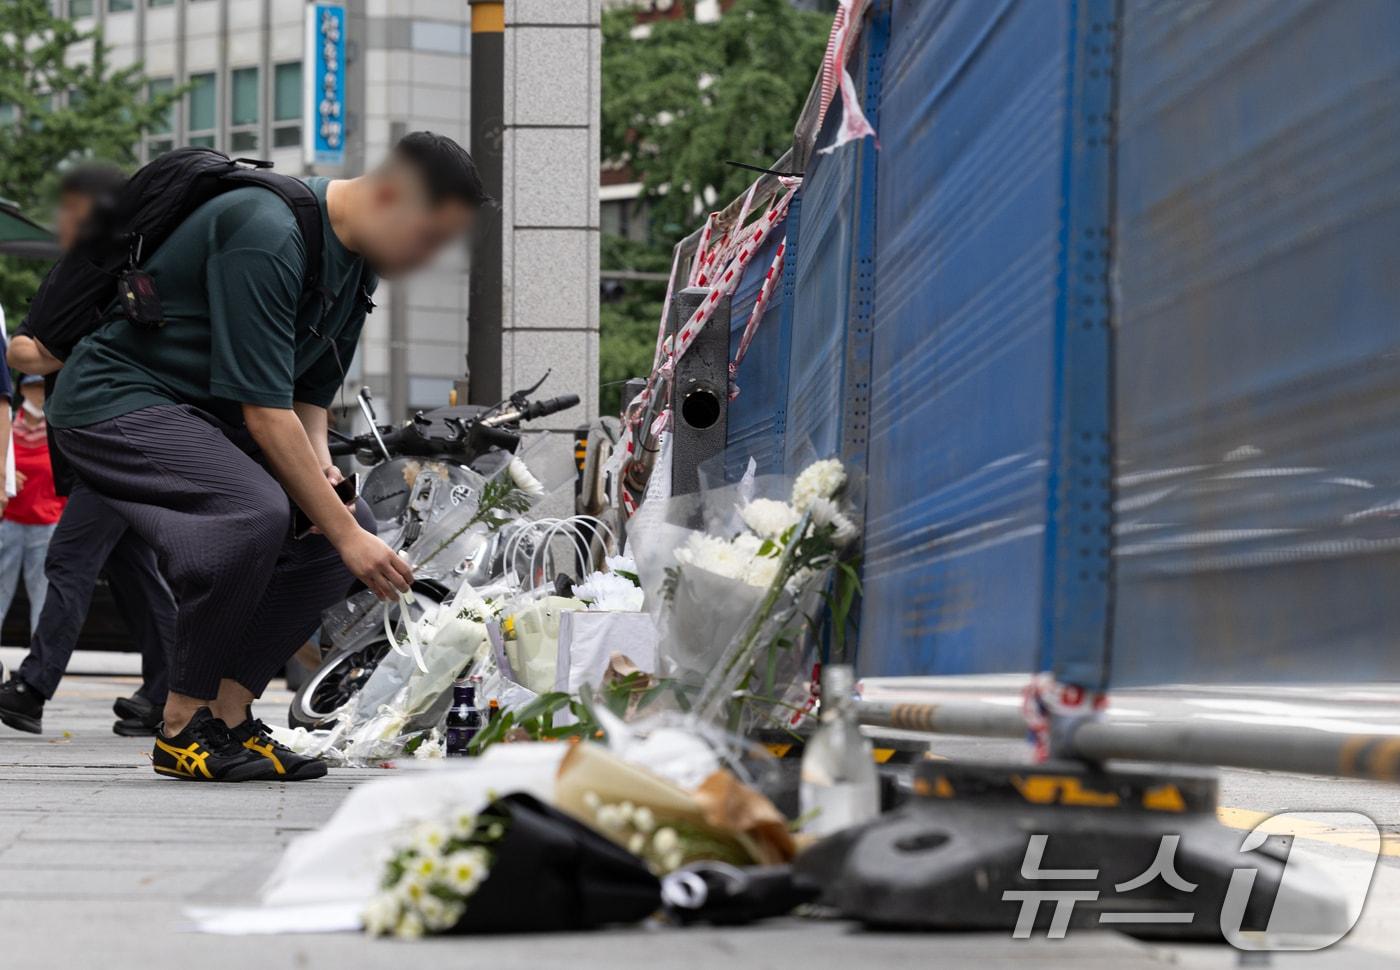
(840, 787)
(463, 717)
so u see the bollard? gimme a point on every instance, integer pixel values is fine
(700, 391)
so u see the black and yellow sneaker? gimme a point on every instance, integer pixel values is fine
(287, 765)
(206, 751)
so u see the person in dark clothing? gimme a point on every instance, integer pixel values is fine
(90, 537)
(202, 436)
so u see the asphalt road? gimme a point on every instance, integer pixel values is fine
(98, 857)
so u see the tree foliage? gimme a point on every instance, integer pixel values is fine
(627, 322)
(678, 102)
(62, 104)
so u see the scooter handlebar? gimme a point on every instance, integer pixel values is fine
(554, 405)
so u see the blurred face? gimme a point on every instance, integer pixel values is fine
(34, 394)
(405, 230)
(73, 210)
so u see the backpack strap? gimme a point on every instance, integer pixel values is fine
(306, 209)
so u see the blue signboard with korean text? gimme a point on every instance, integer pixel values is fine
(325, 84)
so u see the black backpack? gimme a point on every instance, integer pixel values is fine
(75, 296)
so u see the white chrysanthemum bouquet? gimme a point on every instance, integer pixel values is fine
(737, 597)
(431, 877)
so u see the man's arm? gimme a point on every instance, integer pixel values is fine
(283, 439)
(29, 356)
(4, 444)
(315, 421)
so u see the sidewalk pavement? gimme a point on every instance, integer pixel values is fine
(98, 857)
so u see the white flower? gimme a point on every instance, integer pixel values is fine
(608, 592)
(425, 867)
(428, 838)
(636, 843)
(747, 545)
(712, 555)
(523, 479)
(432, 747)
(465, 870)
(769, 518)
(672, 860)
(464, 824)
(410, 891)
(826, 513)
(665, 841)
(591, 801)
(643, 820)
(621, 564)
(382, 914)
(821, 479)
(439, 914)
(611, 817)
(762, 571)
(798, 581)
(410, 926)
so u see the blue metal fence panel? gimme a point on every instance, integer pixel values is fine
(1258, 353)
(972, 134)
(821, 303)
(758, 416)
(1077, 596)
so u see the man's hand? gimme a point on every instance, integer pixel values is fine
(373, 563)
(294, 461)
(334, 476)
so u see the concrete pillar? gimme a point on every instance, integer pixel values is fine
(549, 204)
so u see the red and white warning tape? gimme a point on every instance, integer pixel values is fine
(845, 28)
(719, 264)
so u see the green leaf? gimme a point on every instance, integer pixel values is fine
(100, 115)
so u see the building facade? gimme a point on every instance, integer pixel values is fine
(256, 77)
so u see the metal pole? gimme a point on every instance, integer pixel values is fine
(487, 122)
(1263, 748)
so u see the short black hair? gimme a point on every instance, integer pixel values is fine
(447, 170)
(95, 179)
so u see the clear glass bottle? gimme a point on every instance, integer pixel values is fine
(840, 787)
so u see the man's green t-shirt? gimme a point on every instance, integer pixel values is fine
(239, 329)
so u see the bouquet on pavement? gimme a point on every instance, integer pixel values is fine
(518, 867)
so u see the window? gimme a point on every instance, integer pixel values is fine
(243, 110)
(80, 8)
(120, 6)
(42, 108)
(160, 3)
(204, 110)
(286, 105)
(160, 138)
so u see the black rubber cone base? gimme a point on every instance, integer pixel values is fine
(979, 843)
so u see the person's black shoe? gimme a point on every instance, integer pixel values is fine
(21, 706)
(136, 727)
(206, 751)
(137, 707)
(286, 763)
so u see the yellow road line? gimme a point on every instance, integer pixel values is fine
(1247, 819)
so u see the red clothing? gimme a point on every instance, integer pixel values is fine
(36, 503)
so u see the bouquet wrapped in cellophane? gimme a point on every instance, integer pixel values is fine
(739, 577)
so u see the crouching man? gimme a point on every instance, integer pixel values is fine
(198, 434)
